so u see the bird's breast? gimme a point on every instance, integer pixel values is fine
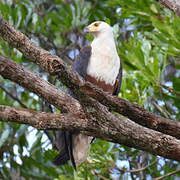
(101, 84)
(104, 65)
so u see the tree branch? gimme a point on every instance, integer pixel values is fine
(171, 90)
(13, 97)
(135, 112)
(42, 120)
(168, 174)
(101, 123)
(16, 73)
(174, 5)
(117, 130)
(137, 170)
(55, 65)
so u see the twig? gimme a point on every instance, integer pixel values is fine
(160, 109)
(171, 90)
(99, 175)
(13, 97)
(166, 175)
(137, 170)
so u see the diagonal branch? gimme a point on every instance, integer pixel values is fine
(101, 123)
(168, 174)
(137, 170)
(117, 130)
(55, 65)
(174, 5)
(13, 97)
(136, 113)
(13, 71)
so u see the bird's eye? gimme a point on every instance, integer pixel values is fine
(96, 24)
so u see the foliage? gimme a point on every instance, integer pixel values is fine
(148, 42)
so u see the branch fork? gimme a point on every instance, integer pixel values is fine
(89, 112)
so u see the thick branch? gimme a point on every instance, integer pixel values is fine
(117, 130)
(55, 65)
(101, 123)
(136, 113)
(42, 88)
(42, 120)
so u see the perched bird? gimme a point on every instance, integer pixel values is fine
(99, 64)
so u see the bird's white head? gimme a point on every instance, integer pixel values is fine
(98, 27)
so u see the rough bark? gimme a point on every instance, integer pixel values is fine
(174, 5)
(42, 120)
(121, 131)
(55, 65)
(136, 113)
(13, 71)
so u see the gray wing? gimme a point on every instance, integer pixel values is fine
(80, 142)
(118, 82)
(69, 143)
(81, 62)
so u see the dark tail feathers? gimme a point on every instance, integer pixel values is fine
(64, 145)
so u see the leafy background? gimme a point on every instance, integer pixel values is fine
(148, 41)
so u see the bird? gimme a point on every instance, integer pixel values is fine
(99, 64)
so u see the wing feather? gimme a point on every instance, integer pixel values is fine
(81, 62)
(118, 82)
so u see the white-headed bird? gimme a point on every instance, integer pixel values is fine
(99, 64)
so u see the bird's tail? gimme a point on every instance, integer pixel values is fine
(81, 145)
(72, 146)
(64, 145)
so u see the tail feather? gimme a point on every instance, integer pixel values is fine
(71, 150)
(64, 145)
(61, 159)
(73, 147)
